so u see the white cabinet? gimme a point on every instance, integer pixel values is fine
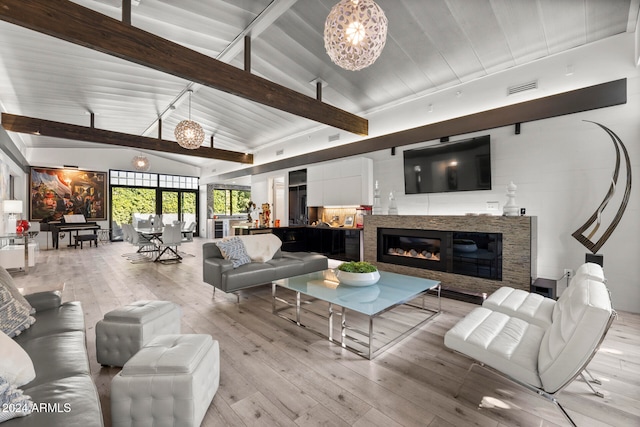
(315, 185)
(315, 173)
(341, 183)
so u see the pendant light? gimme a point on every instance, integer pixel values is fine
(140, 163)
(355, 33)
(189, 134)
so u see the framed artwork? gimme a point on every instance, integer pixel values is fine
(58, 192)
(348, 221)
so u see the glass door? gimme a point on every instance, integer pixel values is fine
(188, 208)
(179, 205)
(129, 201)
(138, 195)
(169, 206)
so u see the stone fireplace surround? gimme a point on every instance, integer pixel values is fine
(518, 248)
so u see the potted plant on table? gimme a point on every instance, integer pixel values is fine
(358, 273)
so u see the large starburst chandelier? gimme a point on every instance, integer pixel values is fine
(189, 134)
(355, 33)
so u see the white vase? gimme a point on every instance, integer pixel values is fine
(358, 279)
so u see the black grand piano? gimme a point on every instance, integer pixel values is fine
(68, 224)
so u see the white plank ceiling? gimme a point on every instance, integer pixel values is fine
(439, 44)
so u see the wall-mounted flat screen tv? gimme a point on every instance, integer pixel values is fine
(455, 166)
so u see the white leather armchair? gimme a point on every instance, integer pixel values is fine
(536, 309)
(541, 359)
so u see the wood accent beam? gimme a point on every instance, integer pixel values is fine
(77, 24)
(575, 101)
(126, 12)
(247, 54)
(30, 125)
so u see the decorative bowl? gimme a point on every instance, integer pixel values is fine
(357, 279)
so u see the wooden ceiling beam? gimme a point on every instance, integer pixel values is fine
(33, 126)
(589, 98)
(68, 21)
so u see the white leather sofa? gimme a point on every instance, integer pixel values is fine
(536, 342)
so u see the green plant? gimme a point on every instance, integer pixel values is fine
(357, 267)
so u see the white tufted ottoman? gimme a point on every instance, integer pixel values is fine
(125, 330)
(171, 381)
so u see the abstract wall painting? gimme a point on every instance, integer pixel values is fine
(58, 192)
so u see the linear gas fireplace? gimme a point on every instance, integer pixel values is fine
(414, 248)
(467, 253)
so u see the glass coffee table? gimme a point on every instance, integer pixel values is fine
(317, 293)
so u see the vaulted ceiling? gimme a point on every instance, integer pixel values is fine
(431, 45)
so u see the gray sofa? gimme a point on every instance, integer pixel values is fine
(220, 273)
(63, 388)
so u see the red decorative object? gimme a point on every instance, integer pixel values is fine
(22, 226)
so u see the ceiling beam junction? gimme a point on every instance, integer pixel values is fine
(264, 20)
(33, 126)
(126, 12)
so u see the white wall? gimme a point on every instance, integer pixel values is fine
(563, 168)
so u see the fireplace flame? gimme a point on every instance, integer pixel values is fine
(412, 253)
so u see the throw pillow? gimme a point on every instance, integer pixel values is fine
(7, 281)
(16, 367)
(233, 249)
(14, 318)
(261, 247)
(12, 402)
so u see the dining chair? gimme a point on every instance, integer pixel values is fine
(144, 245)
(156, 221)
(187, 233)
(117, 233)
(126, 232)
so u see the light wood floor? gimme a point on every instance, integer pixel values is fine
(275, 373)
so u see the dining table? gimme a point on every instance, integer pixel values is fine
(153, 235)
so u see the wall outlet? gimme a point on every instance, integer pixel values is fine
(568, 273)
(493, 206)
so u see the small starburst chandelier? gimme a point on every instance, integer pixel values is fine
(355, 33)
(189, 134)
(140, 163)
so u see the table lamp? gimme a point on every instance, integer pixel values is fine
(11, 207)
